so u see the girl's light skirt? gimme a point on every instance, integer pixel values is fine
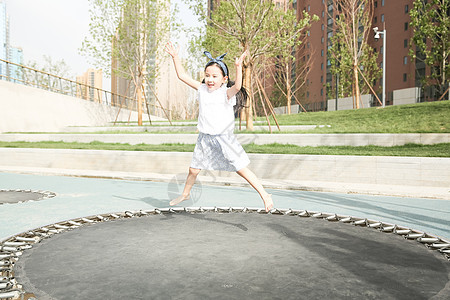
(219, 152)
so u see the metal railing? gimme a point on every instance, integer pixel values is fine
(21, 74)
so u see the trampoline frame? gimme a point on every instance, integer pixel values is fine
(12, 248)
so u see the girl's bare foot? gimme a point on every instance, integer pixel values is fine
(268, 203)
(178, 200)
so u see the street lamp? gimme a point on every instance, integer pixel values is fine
(377, 36)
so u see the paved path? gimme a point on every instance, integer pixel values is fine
(79, 197)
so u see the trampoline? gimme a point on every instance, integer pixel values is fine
(19, 196)
(224, 253)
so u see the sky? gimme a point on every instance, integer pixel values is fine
(54, 28)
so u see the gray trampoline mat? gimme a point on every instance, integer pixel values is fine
(231, 256)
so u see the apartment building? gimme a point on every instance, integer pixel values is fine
(91, 84)
(402, 73)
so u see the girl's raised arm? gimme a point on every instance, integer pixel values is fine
(181, 73)
(238, 82)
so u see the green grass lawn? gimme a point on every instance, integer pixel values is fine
(431, 117)
(438, 150)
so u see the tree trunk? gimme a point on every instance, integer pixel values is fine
(288, 88)
(356, 79)
(139, 98)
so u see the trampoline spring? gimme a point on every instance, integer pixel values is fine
(414, 236)
(402, 231)
(429, 240)
(445, 251)
(6, 285)
(5, 263)
(101, 218)
(332, 218)
(143, 213)
(14, 244)
(360, 222)
(9, 249)
(114, 216)
(28, 240)
(10, 295)
(86, 220)
(346, 220)
(275, 211)
(388, 228)
(59, 226)
(44, 229)
(287, 211)
(304, 213)
(179, 209)
(129, 214)
(317, 215)
(374, 225)
(441, 245)
(5, 256)
(73, 223)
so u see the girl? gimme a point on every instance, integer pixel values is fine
(217, 148)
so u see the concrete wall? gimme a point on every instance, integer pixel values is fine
(379, 170)
(406, 96)
(29, 109)
(282, 110)
(347, 103)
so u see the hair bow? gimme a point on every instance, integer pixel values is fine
(217, 60)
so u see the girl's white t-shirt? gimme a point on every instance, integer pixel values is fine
(216, 114)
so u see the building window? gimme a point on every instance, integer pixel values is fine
(382, 2)
(406, 9)
(309, 7)
(321, 79)
(321, 40)
(405, 43)
(406, 26)
(382, 18)
(323, 14)
(321, 92)
(405, 77)
(307, 94)
(321, 66)
(375, 20)
(381, 49)
(405, 60)
(323, 27)
(375, 4)
(321, 52)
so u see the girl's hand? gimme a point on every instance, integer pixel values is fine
(171, 49)
(240, 60)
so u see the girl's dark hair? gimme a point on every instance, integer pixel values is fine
(241, 96)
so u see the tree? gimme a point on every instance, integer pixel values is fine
(430, 21)
(289, 75)
(349, 52)
(131, 34)
(253, 25)
(57, 69)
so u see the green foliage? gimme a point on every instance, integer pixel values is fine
(131, 31)
(430, 22)
(437, 150)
